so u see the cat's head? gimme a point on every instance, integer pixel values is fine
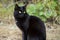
(20, 11)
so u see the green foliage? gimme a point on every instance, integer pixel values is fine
(43, 10)
(31, 9)
(6, 12)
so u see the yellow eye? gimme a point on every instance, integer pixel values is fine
(24, 11)
(19, 11)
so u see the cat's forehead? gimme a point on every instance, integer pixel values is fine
(21, 7)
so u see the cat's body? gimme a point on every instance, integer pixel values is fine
(32, 27)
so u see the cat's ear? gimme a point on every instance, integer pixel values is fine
(16, 7)
(26, 3)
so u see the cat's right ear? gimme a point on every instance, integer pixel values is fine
(16, 7)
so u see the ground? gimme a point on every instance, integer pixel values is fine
(12, 32)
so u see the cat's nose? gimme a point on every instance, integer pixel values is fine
(21, 15)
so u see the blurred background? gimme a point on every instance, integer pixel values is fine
(47, 10)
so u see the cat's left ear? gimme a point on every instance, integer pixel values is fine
(16, 7)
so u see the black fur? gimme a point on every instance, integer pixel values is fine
(32, 27)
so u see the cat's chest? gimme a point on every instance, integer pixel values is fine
(22, 23)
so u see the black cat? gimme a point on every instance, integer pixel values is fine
(32, 27)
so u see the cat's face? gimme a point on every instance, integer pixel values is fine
(20, 11)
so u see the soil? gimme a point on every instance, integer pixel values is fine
(12, 32)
